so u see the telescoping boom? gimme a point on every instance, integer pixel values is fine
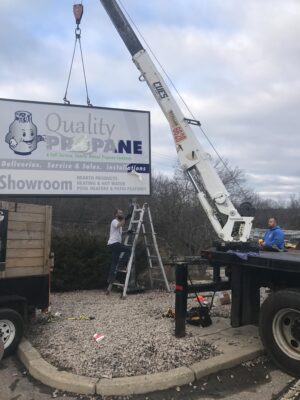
(227, 222)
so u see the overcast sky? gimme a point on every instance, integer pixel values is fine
(236, 63)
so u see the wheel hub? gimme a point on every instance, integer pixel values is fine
(295, 329)
(286, 331)
(7, 332)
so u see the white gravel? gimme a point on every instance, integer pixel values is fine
(138, 340)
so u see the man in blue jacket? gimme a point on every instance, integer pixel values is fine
(274, 237)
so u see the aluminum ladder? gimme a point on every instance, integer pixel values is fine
(141, 223)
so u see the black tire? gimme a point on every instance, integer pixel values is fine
(1, 349)
(11, 330)
(279, 328)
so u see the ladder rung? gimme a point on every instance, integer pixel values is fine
(153, 257)
(135, 221)
(118, 284)
(124, 271)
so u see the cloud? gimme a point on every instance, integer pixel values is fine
(235, 63)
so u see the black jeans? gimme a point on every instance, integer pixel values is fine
(116, 250)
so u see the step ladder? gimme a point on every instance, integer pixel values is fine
(141, 223)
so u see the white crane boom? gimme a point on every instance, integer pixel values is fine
(211, 191)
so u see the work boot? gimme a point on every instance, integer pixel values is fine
(108, 290)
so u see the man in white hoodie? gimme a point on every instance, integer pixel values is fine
(116, 246)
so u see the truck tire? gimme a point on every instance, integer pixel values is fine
(279, 327)
(1, 349)
(11, 329)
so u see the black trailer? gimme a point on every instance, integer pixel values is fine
(278, 317)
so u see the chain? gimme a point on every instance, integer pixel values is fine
(78, 11)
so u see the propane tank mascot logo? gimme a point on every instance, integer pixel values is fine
(22, 137)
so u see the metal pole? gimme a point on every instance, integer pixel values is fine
(216, 273)
(180, 299)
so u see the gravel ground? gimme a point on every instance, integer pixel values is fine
(137, 339)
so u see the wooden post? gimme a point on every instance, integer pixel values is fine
(47, 238)
(3, 237)
(180, 299)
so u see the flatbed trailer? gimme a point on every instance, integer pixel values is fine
(278, 317)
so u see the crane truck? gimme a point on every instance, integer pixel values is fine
(279, 315)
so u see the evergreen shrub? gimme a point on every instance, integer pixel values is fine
(82, 262)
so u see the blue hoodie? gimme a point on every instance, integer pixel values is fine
(274, 236)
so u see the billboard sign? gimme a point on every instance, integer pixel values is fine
(56, 149)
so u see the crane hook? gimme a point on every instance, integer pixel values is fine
(78, 11)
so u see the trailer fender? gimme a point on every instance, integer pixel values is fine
(279, 327)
